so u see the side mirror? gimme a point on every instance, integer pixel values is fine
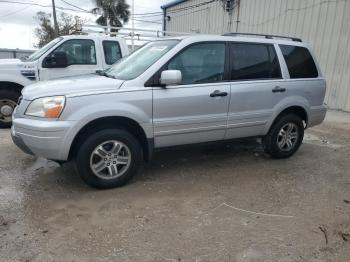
(171, 77)
(56, 60)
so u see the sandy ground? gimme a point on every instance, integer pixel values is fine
(223, 202)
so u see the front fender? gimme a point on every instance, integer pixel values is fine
(16, 79)
(136, 106)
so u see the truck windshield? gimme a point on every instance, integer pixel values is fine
(43, 50)
(137, 62)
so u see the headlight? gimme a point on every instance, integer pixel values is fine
(48, 107)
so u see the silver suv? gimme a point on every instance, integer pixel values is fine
(172, 92)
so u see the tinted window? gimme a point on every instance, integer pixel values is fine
(299, 62)
(112, 52)
(200, 63)
(254, 61)
(78, 51)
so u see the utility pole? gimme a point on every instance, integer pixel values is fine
(132, 24)
(54, 18)
(238, 9)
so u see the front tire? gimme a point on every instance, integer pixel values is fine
(108, 158)
(284, 137)
(8, 102)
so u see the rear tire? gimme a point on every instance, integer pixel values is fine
(108, 158)
(8, 102)
(284, 137)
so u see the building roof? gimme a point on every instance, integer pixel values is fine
(172, 3)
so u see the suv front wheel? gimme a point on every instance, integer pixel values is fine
(108, 158)
(284, 137)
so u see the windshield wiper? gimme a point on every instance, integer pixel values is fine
(104, 73)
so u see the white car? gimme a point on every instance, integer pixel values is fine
(62, 57)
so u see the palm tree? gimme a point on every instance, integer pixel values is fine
(114, 12)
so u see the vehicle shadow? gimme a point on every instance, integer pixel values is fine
(48, 174)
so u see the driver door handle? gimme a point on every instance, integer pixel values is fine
(278, 89)
(218, 93)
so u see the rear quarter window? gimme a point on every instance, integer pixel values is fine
(299, 62)
(111, 51)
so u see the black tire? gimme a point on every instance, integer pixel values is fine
(91, 142)
(270, 141)
(7, 97)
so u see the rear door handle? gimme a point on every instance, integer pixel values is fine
(278, 89)
(218, 93)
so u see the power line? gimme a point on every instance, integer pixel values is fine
(36, 4)
(15, 12)
(179, 9)
(81, 9)
(153, 22)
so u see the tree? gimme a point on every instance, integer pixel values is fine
(45, 32)
(114, 12)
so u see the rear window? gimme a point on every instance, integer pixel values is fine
(254, 61)
(299, 62)
(111, 51)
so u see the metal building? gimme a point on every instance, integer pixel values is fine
(14, 53)
(323, 24)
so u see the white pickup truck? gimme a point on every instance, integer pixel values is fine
(62, 57)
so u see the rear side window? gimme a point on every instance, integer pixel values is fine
(299, 62)
(111, 51)
(254, 61)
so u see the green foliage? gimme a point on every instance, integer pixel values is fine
(114, 12)
(45, 32)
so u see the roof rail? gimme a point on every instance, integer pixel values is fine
(264, 35)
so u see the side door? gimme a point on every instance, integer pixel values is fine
(81, 59)
(256, 88)
(111, 52)
(196, 110)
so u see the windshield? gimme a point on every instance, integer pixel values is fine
(43, 50)
(137, 62)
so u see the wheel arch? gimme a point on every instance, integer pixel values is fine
(122, 122)
(8, 85)
(298, 110)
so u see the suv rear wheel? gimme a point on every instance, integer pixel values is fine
(8, 102)
(108, 158)
(284, 137)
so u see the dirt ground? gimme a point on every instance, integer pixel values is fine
(222, 202)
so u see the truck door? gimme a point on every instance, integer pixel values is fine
(81, 59)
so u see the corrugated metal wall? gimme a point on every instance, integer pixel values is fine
(14, 53)
(324, 24)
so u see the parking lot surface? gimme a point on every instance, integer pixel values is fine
(214, 202)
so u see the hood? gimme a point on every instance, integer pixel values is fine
(15, 63)
(76, 85)
(10, 63)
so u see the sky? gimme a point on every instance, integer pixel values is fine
(17, 21)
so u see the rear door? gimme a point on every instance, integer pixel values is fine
(81, 57)
(196, 110)
(256, 88)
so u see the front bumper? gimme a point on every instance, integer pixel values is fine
(41, 137)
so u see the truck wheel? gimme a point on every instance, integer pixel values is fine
(8, 102)
(108, 158)
(284, 137)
